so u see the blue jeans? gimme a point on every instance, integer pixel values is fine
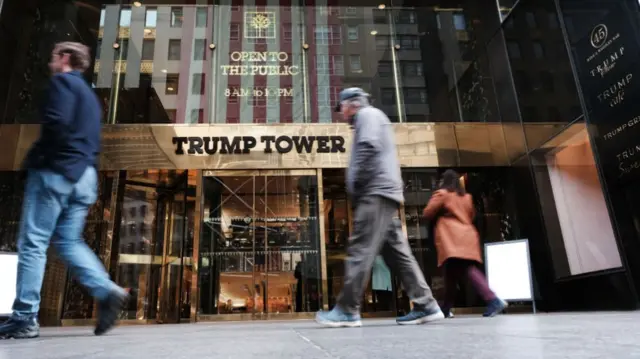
(55, 209)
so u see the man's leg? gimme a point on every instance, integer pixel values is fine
(82, 261)
(370, 223)
(40, 210)
(397, 254)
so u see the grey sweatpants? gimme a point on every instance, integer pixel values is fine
(375, 230)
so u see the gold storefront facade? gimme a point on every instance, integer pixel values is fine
(245, 222)
(221, 193)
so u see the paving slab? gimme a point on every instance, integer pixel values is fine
(549, 336)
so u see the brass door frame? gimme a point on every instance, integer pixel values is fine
(197, 237)
(165, 277)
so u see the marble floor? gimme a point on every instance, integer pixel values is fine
(583, 335)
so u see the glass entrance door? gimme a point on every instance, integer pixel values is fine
(259, 254)
(155, 242)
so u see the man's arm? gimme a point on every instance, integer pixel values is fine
(367, 147)
(61, 105)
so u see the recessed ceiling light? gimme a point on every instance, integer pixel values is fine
(164, 71)
(374, 32)
(381, 6)
(137, 3)
(169, 88)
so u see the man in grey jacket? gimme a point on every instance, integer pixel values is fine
(374, 184)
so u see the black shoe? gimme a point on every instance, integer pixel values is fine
(108, 311)
(20, 329)
(447, 312)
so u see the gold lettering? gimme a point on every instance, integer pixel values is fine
(264, 92)
(265, 69)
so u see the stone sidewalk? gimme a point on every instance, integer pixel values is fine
(588, 335)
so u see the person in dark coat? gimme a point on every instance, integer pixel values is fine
(457, 242)
(62, 183)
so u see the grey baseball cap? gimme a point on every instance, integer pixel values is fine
(349, 93)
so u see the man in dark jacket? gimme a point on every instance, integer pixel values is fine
(374, 184)
(61, 185)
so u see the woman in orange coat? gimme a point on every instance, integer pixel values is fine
(458, 243)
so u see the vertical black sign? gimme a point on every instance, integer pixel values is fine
(607, 64)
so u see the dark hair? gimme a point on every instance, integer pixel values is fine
(79, 54)
(451, 182)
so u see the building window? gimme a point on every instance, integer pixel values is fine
(202, 15)
(406, 17)
(385, 69)
(177, 17)
(329, 10)
(415, 96)
(354, 63)
(513, 48)
(353, 33)
(322, 64)
(412, 69)
(382, 42)
(409, 42)
(172, 114)
(148, 49)
(575, 208)
(547, 81)
(125, 18)
(103, 13)
(531, 20)
(388, 97)
(459, 22)
(351, 11)
(171, 85)
(327, 96)
(380, 17)
(338, 64)
(151, 18)
(197, 115)
(538, 50)
(257, 101)
(174, 50)
(328, 35)
(198, 84)
(234, 32)
(199, 50)
(287, 32)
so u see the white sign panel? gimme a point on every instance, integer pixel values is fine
(8, 275)
(509, 270)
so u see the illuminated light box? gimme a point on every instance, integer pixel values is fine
(8, 275)
(508, 269)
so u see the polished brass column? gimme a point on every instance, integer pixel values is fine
(195, 257)
(323, 243)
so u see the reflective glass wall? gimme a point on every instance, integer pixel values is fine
(257, 61)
